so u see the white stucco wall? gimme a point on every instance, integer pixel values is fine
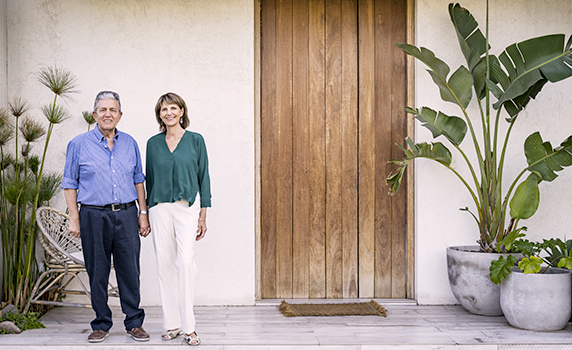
(3, 52)
(202, 50)
(439, 194)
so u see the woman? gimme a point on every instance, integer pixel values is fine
(178, 194)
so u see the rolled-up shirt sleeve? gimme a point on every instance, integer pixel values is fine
(138, 176)
(71, 169)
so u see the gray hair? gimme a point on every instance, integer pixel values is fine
(107, 95)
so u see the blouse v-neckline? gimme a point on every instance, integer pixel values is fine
(177, 145)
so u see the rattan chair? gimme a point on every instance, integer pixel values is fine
(63, 260)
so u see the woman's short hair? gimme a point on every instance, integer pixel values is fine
(106, 95)
(171, 98)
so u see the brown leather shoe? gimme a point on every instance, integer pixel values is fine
(97, 336)
(139, 334)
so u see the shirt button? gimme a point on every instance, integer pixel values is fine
(114, 185)
(113, 170)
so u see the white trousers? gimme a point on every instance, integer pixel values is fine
(174, 230)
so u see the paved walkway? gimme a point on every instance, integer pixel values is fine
(263, 327)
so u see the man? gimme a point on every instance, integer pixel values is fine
(103, 173)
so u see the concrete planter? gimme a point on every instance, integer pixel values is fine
(469, 279)
(539, 302)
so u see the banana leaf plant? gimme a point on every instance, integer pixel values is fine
(513, 79)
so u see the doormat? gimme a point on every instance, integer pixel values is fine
(346, 309)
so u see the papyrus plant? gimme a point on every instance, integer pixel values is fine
(512, 79)
(24, 186)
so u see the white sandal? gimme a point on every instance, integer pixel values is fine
(193, 341)
(170, 335)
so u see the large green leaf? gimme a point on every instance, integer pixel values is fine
(472, 41)
(479, 73)
(544, 160)
(529, 62)
(526, 198)
(453, 128)
(457, 89)
(532, 265)
(435, 151)
(565, 263)
(501, 267)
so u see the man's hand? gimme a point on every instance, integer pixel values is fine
(144, 228)
(71, 201)
(74, 226)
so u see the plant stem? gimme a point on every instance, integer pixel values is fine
(31, 241)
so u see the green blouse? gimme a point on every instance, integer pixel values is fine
(178, 175)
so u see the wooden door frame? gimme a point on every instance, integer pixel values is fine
(410, 132)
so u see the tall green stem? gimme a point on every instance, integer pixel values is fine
(31, 236)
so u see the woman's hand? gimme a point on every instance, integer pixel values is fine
(202, 224)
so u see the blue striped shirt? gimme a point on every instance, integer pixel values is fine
(99, 175)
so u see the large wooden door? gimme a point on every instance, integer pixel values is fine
(333, 91)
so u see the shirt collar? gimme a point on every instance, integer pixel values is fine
(100, 136)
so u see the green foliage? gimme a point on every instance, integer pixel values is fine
(530, 265)
(55, 113)
(514, 78)
(24, 186)
(31, 129)
(60, 81)
(18, 107)
(501, 267)
(435, 151)
(24, 321)
(88, 117)
(551, 252)
(526, 198)
(544, 160)
(509, 240)
(453, 128)
(50, 187)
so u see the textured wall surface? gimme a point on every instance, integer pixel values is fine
(439, 194)
(3, 17)
(200, 49)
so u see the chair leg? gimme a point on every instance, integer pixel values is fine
(33, 296)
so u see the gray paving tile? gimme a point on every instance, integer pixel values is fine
(262, 327)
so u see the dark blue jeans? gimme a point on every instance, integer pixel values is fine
(105, 233)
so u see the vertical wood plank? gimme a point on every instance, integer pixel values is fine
(284, 159)
(257, 121)
(410, 172)
(349, 149)
(313, 208)
(317, 171)
(366, 149)
(333, 150)
(300, 135)
(268, 152)
(399, 132)
(383, 146)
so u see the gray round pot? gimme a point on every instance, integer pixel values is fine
(535, 301)
(468, 271)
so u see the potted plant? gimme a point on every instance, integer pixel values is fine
(501, 86)
(535, 296)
